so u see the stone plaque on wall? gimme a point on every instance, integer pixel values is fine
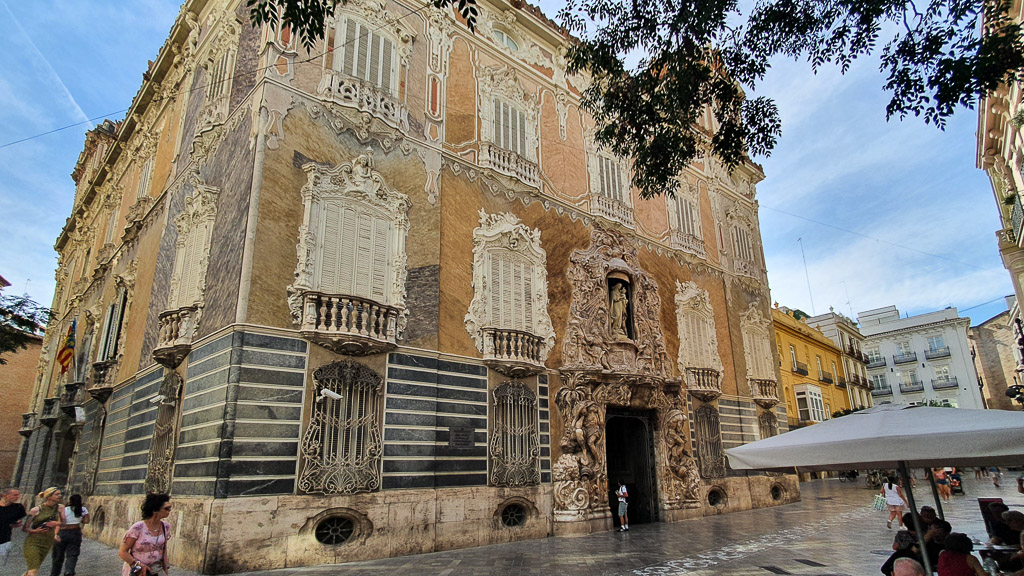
(460, 437)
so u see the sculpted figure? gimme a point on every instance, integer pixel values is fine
(681, 463)
(618, 310)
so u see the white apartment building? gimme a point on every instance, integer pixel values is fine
(844, 333)
(920, 358)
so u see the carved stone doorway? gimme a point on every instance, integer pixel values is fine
(629, 438)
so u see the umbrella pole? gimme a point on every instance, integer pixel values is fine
(935, 494)
(917, 519)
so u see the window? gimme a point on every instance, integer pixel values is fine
(341, 448)
(687, 216)
(874, 355)
(354, 250)
(505, 40)
(145, 175)
(821, 372)
(111, 222)
(757, 350)
(514, 444)
(809, 404)
(510, 289)
(835, 374)
(936, 342)
(509, 125)
(768, 424)
(792, 355)
(709, 441)
(112, 322)
(195, 232)
(879, 382)
(903, 348)
(218, 81)
(610, 183)
(362, 52)
(741, 244)
(698, 342)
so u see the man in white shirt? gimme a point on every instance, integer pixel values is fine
(623, 495)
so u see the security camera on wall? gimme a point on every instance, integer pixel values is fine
(157, 399)
(326, 393)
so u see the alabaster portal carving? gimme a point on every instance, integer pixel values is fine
(342, 446)
(514, 446)
(508, 317)
(614, 324)
(682, 479)
(161, 451)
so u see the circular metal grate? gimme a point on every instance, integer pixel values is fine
(513, 515)
(334, 530)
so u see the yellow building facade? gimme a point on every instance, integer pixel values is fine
(814, 382)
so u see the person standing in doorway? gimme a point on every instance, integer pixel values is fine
(11, 513)
(623, 495)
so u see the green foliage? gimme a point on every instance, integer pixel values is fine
(845, 411)
(699, 55)
(20, 319)
(800, 314)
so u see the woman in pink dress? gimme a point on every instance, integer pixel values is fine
(144, 548)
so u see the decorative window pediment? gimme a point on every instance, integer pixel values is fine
(362, 68)
(349, 289)
(699, 360)
(741, 242)
(219, 64)
(610, 194)
(684, 220)
(508, 317)
(508, 125)
(757, 352)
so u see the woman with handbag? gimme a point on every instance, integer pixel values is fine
(144, 548)
(69, 538)
(41, 522)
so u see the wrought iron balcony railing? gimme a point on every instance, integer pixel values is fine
(882, 391)
(876, 362)
(349, 325)
(825, 377)
(1017, 218)
(904, 358)
(912, 386)
(512, 352)
(800, 368)
(946, 382)
(937, 353)
(841, 383)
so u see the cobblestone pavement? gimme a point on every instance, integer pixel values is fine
(832, 532)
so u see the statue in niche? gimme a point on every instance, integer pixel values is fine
(619, 309)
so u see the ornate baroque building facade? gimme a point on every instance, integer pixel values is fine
(389, 297)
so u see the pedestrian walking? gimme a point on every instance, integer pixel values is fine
(11, 513)
(69, 538)
(942, 484)
(894, 500)
(623, 495)
(144, 547)
(996, 475)
(41, 525)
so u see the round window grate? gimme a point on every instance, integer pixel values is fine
(334, 530)
(513, 515)
(777, 492)
(716, 498)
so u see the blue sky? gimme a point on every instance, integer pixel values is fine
(923, 216)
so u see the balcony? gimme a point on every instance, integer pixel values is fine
(510, 164)
(1017, 218)
(703, 383)
(765, 393)
(103, 374)
(825, 377)
(613, 210)
(746, 268)
(513, 353)
(876, 362)
(912, 386)
(71, 398)
(175, 338)
(937, 353)
(349, 325)
(28, 423)
(904, 358)
(882, 391)
(841, 383)
(945, 382)
(800, 368)
(51, 412)
(350, 92)
(688, 243)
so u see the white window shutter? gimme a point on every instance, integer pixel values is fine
(348, 44)
(379, 288)
(386, 64)
(331, 240)
(361, 51)
(374, 71)
(345, 269)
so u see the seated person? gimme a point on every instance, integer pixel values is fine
(935, 540)
(927, 516)
(907, 567)
(1001, 533)
(957, 560)
(905, 546)
(1014, 522)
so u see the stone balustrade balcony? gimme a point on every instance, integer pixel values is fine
(703, 383)
(349, 325)
(175, 335)
(688, 243)
(103, 374)
(512, 352)
(51, 412)
(765, 392)
(509, 163)
(72, 397)
(352, 92)
(611, 209)
(28, 423)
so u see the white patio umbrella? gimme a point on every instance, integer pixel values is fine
(892, 436)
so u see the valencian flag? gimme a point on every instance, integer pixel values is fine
(66, 354)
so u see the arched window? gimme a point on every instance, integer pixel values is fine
(504, 39)
(515, 444)
(341, 449)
